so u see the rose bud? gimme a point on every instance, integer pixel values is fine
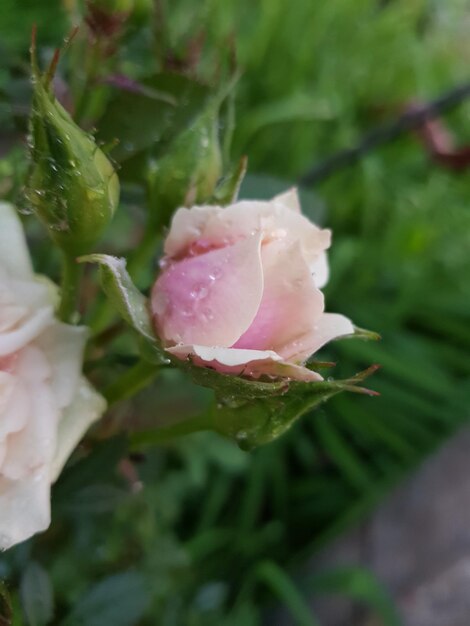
(189, 171)
(107, 17)
(72, 186)
(46, 405)
(239, 289)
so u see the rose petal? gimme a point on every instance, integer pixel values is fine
(289, 199)
(216, 226)
(15, 405)
(254, 363)
(291, 304)
(210, 299)
(25, 507)
(34, 445)
(87, 407)
(14, 255)
(320, 270)
(330, 326)
(64, 346)
(14, 340)
(187, 226)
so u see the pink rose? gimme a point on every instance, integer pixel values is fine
(240, 286)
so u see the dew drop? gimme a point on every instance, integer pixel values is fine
(215, 274)
(199, 292)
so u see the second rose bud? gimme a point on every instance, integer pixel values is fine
(240, 287)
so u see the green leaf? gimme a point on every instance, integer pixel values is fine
(358, 584)
(6, 613)
(99, 464)
(147, 117)
(284, 589)
(120, 600)
(37, 595)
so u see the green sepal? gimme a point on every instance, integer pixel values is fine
(130, 303)
(262, 420)
(228, 188)
(362, 333)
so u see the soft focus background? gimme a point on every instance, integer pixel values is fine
(302, 531)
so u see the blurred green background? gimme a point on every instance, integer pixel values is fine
(197, 532)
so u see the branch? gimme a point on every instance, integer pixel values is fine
(410, 120)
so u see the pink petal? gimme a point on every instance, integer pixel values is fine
(210, 299)
(289, 199)
(273, 220)
(187, 226)
(217, 226)
(254, 363)
(330, 326)
(291, 304)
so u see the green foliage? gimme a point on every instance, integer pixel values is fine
(120, 599)
(163, 104)
(37, 595)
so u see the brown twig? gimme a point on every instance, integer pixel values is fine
(411, 119)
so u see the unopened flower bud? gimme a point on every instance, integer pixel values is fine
(189, 171)
(106, 17)
(239, 289)
(72, 186)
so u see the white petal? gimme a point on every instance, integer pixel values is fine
(64, 345)
(330, 326)
(86, 408)
(34, 445)
(320, 270)
(289, 199)
(24, 507)
(14, 255)
(13, 341)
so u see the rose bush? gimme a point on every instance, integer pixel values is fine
(239, 289)
(46, 404)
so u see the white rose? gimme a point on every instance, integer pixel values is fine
(46, 405)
